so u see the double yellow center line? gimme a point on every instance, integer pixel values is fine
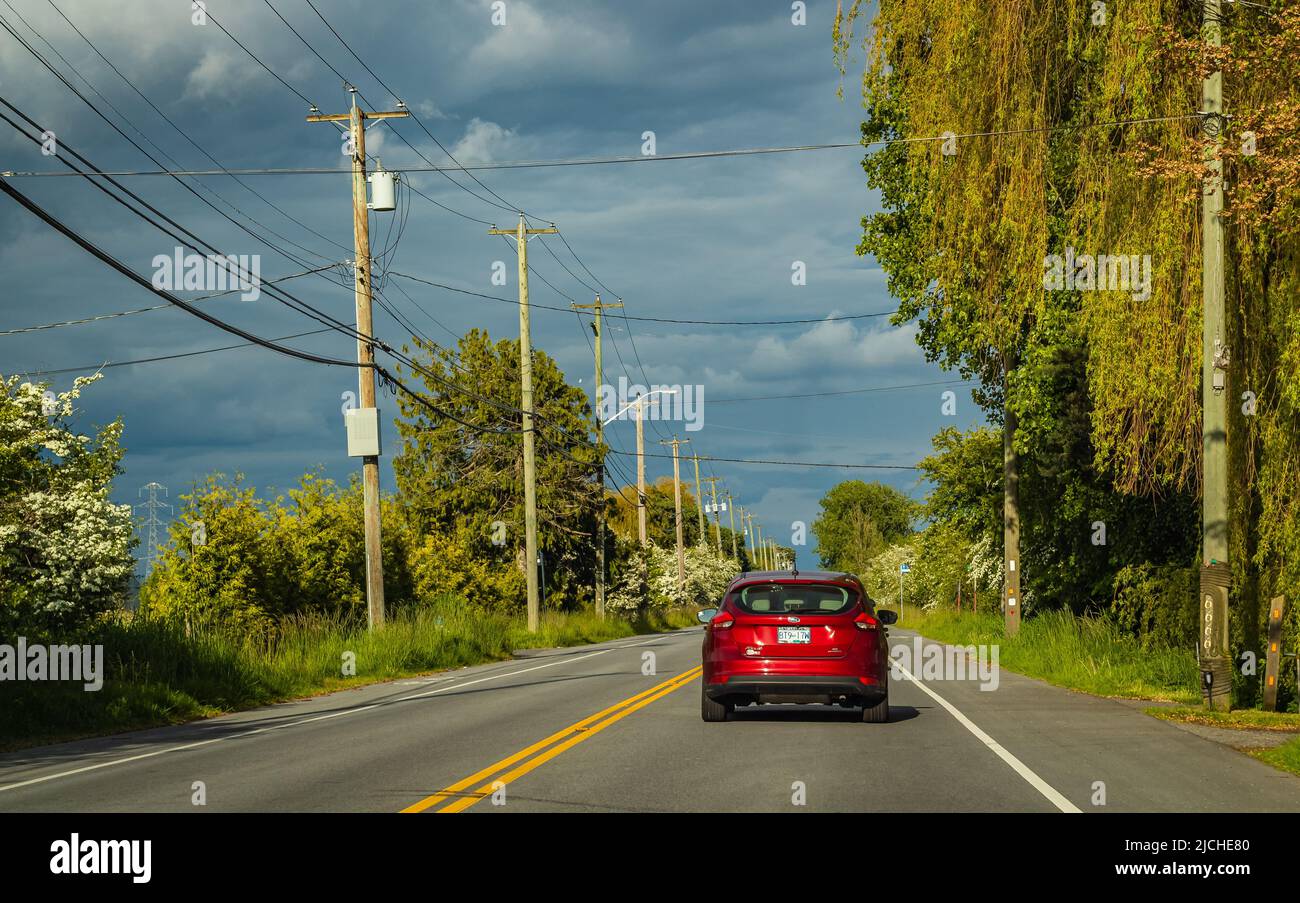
(543, 751)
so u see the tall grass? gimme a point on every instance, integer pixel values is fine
(156, 674)
(1089, 654)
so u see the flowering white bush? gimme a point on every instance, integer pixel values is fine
(707, 575)
(881, 577)
(986, 565)
(650, 579)
(630, 590)
(65, 549)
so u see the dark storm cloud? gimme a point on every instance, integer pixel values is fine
(707, 239)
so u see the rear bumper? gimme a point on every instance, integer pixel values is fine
(797, 688)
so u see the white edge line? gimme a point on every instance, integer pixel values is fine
(1055, 797)
(301, 721)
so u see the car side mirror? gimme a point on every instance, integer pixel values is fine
(707, 615)
(886, 616)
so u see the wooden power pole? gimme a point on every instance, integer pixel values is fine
(1011, 600)
(640, 472)
(699, 497)
(731, 521)
(600, 467)
(356, 119)
(745, 519)
(677, 501)
(717, 515)
(1216, 665)
(521, 233)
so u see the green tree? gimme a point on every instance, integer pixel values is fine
(460, 469)
(661, 518)
(221, 567)
(242, 563)
(858, 520)
(1095, 391)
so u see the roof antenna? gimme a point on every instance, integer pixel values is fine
(794, 563)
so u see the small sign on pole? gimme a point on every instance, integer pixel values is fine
(1272, 660)
(1212, 650)
(903, 568)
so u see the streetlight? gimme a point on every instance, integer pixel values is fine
(637, 402)
(640, 457)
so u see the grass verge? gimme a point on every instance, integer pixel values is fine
(1088, 654)
(1238, 719)
(156, 675)
(1285, 757)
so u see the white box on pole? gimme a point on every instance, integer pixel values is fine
(363, 432)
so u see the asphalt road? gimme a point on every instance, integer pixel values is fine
(585, 729)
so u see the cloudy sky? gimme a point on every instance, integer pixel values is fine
(559, 79)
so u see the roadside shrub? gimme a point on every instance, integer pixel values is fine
(65, 548)
(1157, 604)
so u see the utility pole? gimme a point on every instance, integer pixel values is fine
(677, 502)
(1216, 674)
(746, 521)
(640, 472)
(600, 467)
(699, 497)
(153, 506)
(744, 544)
(731, 521)
(717, 515)
(521, 234)
(356, 119)
(1011, 600)
(758, 547)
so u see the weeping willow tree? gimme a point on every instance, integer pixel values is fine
(1071, 128)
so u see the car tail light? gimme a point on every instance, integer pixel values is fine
(865, 621)
(721, 621)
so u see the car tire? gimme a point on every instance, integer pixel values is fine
(878, 713)
(711, 709)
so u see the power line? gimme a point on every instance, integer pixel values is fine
(273, 345)
(391, 92)
(143, 310)
(94, 250)
(343, 78)
(177, 128)
(91, 368)
(312, 106)
(623, 315)
(64, 146)
(791, 463)
(689, 155)
(942, 382)
(418, 121)
(445, 207)
(57, 74)
(401, 104)
(275, 292)
(682, 322)
(300, 95)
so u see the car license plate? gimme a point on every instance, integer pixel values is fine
(793, 635)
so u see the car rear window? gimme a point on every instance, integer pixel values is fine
(780, 598)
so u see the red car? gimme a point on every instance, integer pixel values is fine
(790, 637)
